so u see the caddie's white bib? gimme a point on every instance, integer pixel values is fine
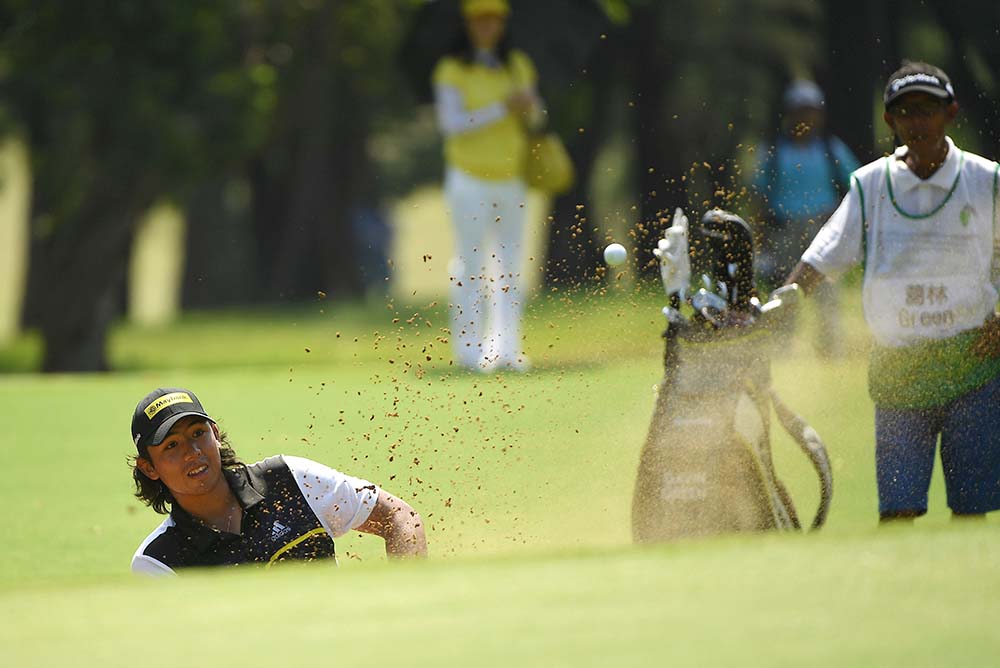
(928, 275)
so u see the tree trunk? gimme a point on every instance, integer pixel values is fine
(862, 43)
(573, 252)
(79, 281)
(974, 29)
(221, 267)
(296, 269)
(658, 159)
(349, 170)
(303, 183)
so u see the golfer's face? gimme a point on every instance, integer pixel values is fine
(485, 30)
(188, 460)
(919, 119)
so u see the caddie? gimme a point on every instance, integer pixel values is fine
(222, 511)
(924, 224)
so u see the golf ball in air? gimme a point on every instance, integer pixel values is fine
(615, 254)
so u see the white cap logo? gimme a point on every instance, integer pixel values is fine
(921, 78)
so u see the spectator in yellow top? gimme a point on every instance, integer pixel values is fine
(487, 103)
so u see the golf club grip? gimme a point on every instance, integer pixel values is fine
(810, 442)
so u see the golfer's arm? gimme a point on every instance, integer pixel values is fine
(398, 524)
(807, 276)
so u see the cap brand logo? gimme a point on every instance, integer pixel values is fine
(916, 79)
(166, 400)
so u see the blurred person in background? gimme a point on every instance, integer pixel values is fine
(800, 180)
(225, 512)
(487, 104)
(924, 224)
(372, 236)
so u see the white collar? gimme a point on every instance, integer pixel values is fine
(487, 58)
(903, 179)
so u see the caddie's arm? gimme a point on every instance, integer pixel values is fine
(807, 276)
(398, 524)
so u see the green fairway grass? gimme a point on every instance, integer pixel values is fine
(892, 598)
(524, 483)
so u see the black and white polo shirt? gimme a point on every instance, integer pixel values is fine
(293, 508)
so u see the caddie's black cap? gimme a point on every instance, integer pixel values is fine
(159, 411)
(918, 77)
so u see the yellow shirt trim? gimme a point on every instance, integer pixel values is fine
(287, 546)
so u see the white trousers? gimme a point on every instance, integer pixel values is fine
(485, 272)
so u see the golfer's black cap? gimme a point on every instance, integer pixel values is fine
(918, 77)
(159, 411)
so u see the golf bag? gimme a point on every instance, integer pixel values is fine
(706, 467)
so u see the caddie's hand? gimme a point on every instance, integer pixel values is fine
(987, 343)
(672, 252)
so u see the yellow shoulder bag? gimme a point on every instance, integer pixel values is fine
(549, 167)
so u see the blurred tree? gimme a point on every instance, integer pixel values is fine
(336, 84)
(868, 41)
(579, 93)
(651, 59)
(267, 109)
(121, 103)
(579, 114)
(697, 78)
(862, 50)
(974, 39)
(703, 77)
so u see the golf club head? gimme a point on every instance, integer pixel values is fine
(786, 297)
(721, 250)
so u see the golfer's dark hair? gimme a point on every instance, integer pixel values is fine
(154, 493)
